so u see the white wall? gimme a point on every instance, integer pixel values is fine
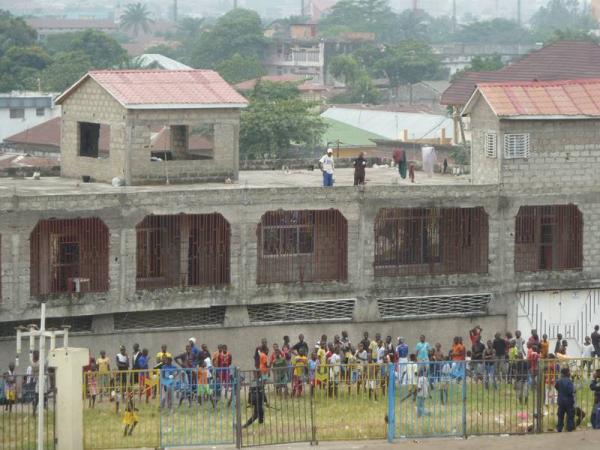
(9, 126)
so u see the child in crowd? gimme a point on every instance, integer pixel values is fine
(130, 418)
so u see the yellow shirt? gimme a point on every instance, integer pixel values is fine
(299, 363)
(161, 355)
(373, 348)
(103, 364)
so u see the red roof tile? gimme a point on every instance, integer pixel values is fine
(46, 133)
(563, 60)
(567, 98)
(164, 89)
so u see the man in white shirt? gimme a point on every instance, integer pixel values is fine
(327, 166)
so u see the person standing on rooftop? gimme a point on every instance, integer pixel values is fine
(327, 166)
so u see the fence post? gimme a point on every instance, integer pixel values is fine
(238, 407)
(313, 426)
(391, 392)
(464, 399)
(539, 404)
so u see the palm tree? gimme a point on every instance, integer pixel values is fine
(136, 17)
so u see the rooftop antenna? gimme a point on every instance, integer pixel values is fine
(42, 334)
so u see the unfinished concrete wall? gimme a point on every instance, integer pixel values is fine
(485, 169)
(91, 103)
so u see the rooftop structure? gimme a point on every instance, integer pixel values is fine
(158, 61)
(129, 107)
(21, 110)
(47, 25)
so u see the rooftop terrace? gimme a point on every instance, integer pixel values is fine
(383, 176)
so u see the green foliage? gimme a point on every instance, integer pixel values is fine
(238, 31)
(409, 62)
(481, 64)
(345, 67)
(373, 16)
(275, 119)
(237, 68)
(103, 50)
(562, 15)
(14, 32)
(460, 154)
(496, 31)
(19, 67)
(135, 18)
(66, 68)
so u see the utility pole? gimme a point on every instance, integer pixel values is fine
(519, 12)
(235, 4)
(42, 334)
(301, 8)
(453, 16)
(175, 11)
(415, 5)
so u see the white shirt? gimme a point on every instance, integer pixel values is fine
(334, 362)
(422, 387)
(380, 354)
(327, 163)
(411, 373)
(587, 351)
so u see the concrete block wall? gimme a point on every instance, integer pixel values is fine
(130, 146)
(485, 170)
(91, 103)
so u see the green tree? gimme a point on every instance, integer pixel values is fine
(14, 32)
(20, 66)
(373, 16)
(345, 67)
(102, 50)
(238, 31)
(135, 18)
(237, 68)
(562, 15)
(66, 69)
(496, 31)
(408, 63)
(481, 64)
(276, 119)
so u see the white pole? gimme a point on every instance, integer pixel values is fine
(41, 380)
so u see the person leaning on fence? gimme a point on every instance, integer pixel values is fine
(299, 364)
(566, 400)
(595, 388)
(167, 382)
(103, 364)
(327, 166)
(130, 418)
(422, 392)
(587, 352)
(551, 370)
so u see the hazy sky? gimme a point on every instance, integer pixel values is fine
(269, 8)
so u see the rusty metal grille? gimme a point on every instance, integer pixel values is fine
(403, 307)
(183, 250)
(69, 255)
(430, 241)
(302, 246)
(77, 324)
(311, 311)
(179, 318)
(548, 238)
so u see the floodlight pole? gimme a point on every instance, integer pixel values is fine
(41, 383)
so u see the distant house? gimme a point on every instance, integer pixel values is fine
(47, 25)
(20, 110)
(309, 91)
(563, 60)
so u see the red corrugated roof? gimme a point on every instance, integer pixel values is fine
(567, 98)
(164, 88)
(46, 133)
(563, 60)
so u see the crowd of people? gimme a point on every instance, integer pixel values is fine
(197, 374)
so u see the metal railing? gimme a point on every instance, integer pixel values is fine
(18, 412)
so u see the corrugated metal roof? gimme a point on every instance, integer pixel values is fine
(543, 99)
(164, 89)
(391, 125)
(162, 61)
(347, 134)
(563, 60)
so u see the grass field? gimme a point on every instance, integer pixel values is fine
(350, 415)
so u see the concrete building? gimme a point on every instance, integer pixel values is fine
(126, 107)
(47, 26)
(20, 111)
(277, 254)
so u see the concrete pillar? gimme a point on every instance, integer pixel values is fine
(179, 141)
(184, 249)
(68, 363)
